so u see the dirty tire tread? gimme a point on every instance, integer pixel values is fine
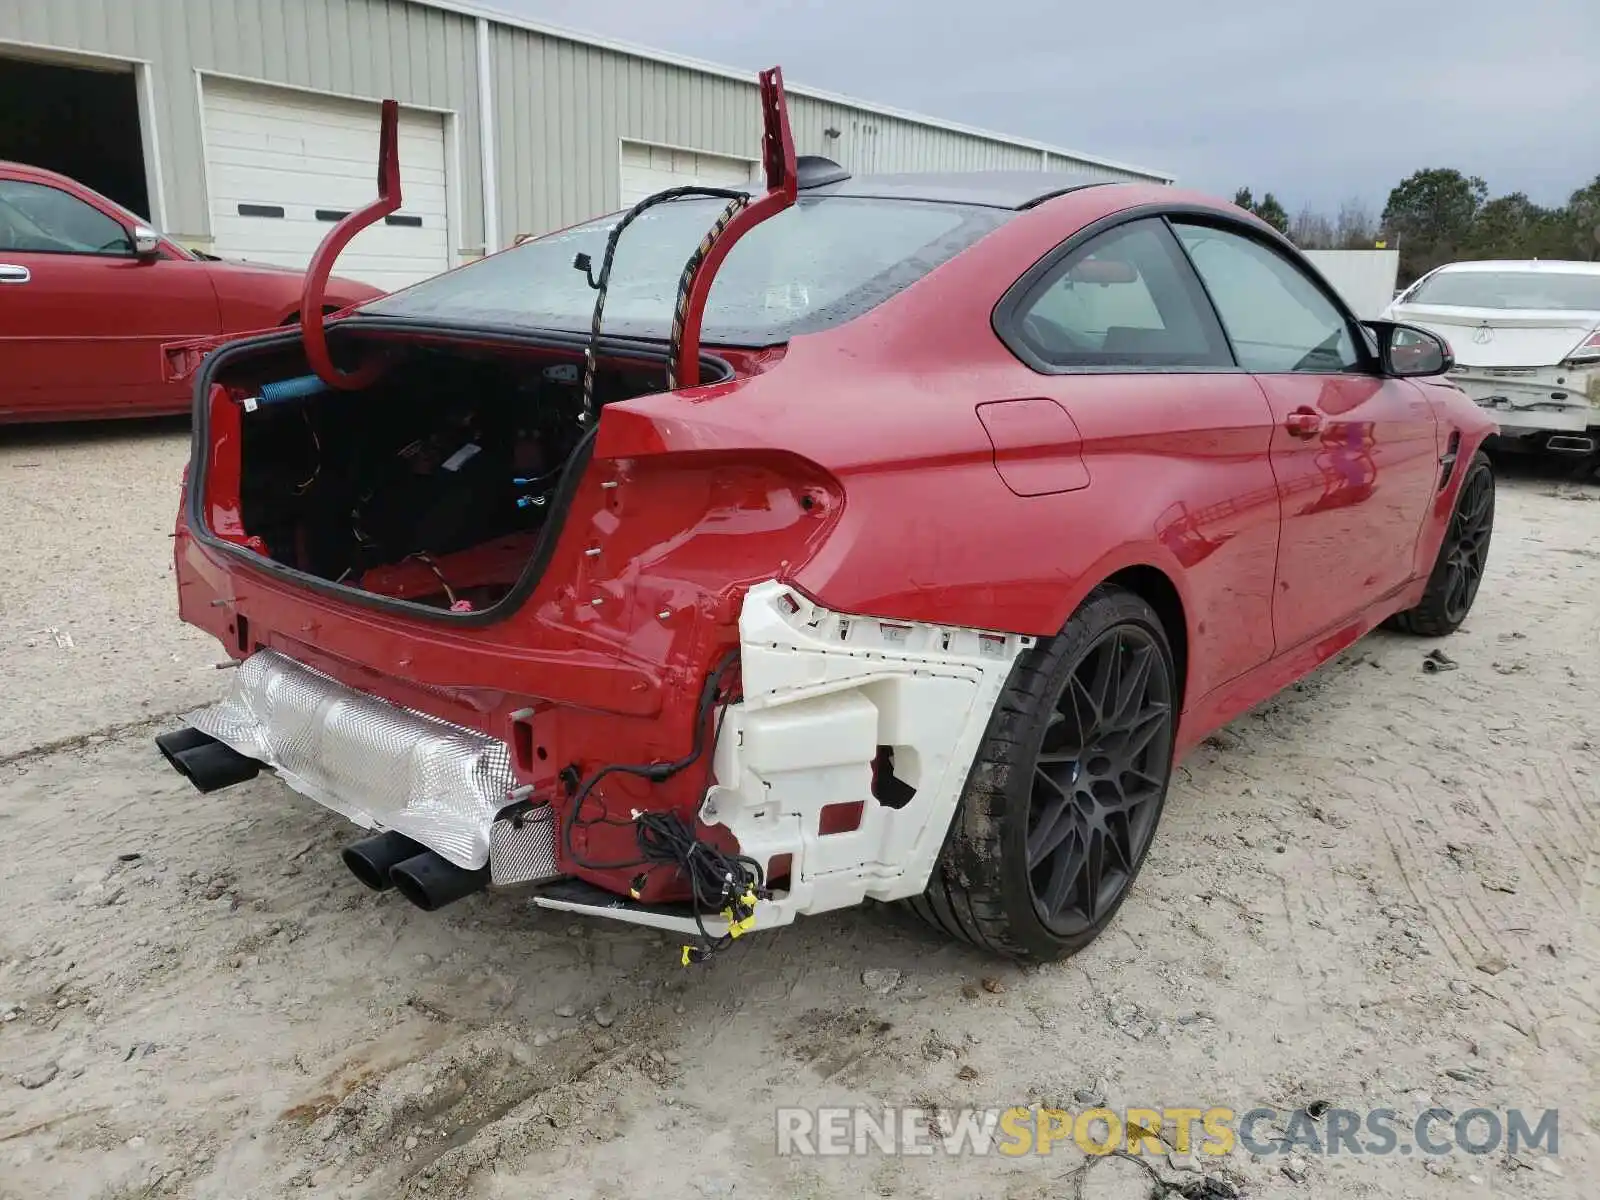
(969, 904)
(1428, 619)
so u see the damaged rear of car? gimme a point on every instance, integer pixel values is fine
(499, 578)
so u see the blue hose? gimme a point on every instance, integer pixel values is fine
(282, 390)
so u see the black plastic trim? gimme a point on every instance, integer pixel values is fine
(261, 210)
(331, 214)
(532, 574)
(1045, 197)
(406, 219)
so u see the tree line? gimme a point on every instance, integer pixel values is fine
(1438, 215)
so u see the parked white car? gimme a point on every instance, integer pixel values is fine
(1526, 337)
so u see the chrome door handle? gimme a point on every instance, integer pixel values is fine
(14, 274)
(1303, 422)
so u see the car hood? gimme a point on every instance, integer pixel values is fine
(338, 286)
(1498, 337)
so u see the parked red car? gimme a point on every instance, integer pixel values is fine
(89, 293)
(902, 564)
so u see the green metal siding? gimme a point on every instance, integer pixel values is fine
(561, 106)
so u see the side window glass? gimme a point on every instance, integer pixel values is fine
(1278, 320)
(46, 220)
(1125, 298)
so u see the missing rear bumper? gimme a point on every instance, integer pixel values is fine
(379, 765)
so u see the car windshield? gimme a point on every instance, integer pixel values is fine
(815, 265)
(1548, 291)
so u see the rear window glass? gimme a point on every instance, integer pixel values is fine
(1547, 290)
(818, 264)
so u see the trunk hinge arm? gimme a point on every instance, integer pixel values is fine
(311, 317)
(778, 162)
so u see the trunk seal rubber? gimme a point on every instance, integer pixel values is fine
(532, 573)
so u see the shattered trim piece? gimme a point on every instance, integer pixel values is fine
(824, 694)
(374, 763)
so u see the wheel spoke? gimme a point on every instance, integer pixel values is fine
(1093, 873)
(1084, 712)
(1143, 731)
(1054, 784)
(1131, 692)
(1053, 826)
(1102, 688)
(1455, 589)
(1063, 874)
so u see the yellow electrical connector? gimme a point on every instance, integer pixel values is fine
(737, 924)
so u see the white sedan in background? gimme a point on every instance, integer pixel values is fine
(1526, 337)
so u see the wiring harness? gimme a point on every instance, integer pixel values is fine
(736, 201)
(720, 884)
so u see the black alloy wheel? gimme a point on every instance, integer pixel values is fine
(1466, 545)
(1099, 779)
(1463, 555)
(1063, 799)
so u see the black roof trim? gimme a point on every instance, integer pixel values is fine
(1076, 187)
(1014, 190)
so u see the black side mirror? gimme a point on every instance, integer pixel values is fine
(1407, 352)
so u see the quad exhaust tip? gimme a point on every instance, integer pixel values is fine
(430, 881)
(392, 860)
(204, 761)
(371, 859)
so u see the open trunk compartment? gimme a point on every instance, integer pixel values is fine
(438, 485)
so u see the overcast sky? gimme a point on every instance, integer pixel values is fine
(1311, 100)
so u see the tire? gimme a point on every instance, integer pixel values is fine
(1463, 555)
(1107, 795)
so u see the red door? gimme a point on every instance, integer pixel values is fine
(1167, 427)
(1357, 465)
(1355, 454)
(82, 319)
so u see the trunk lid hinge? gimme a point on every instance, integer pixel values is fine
(180, 359)
(778, 163)
(316, 282)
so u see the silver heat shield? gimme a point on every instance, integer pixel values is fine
(380, 765)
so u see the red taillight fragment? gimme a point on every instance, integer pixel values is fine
(1587, 350)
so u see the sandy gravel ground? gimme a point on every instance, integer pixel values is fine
(1380, 890)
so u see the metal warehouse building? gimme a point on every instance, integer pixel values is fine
(245, 127)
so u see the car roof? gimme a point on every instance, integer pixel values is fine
(1555, 266)
(989, 189)
(17, 168)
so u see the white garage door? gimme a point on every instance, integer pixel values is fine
(650, 169)
(283, 166)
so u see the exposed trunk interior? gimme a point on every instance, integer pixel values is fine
(435, 484)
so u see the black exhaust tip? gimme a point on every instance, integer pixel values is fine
(371, 859)
(430, 882)
(205, 762)
(173, 744)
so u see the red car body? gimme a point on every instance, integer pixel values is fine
(906, 477)
(82, 321)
